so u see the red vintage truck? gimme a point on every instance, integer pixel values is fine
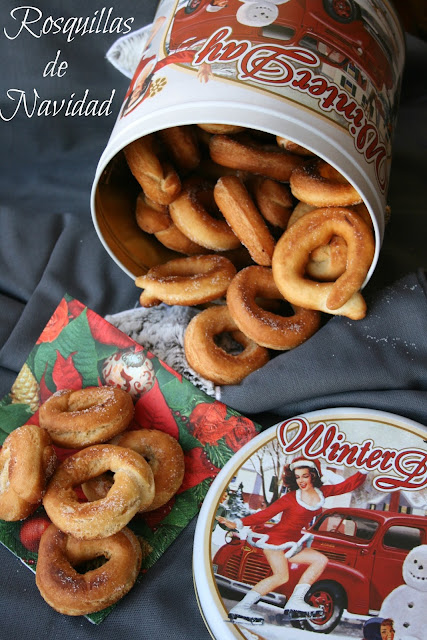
(337, 31)
(365, 550)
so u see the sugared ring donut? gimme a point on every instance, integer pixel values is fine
(265, 328)
(27, 461)
(181, 143)
(76, 594)
(293, 147)
(212, 362)
(132, 490)
(159, 181)
(186, 281)
(253, 157)
(174, 239)
(189, 213)
(151, 217)
(292, 253)
(165, 457)
(238, 209)
(327, 262)
(86, 416)
(154, 218)
(321, 185)
(274, 201)
(221, 128)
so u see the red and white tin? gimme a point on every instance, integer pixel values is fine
(324, 73)
(362, 549)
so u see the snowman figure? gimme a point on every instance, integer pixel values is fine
(407, 604)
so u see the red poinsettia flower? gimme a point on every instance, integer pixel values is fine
(65, 374)
(56, 323)
(153, 412)
(198, 467)
(75, 307)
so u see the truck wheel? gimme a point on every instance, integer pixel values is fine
(344, 11)
(331, 596)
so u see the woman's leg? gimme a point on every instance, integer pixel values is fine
(316, 562)
(280, 568)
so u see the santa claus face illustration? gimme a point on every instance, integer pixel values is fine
(415, 568)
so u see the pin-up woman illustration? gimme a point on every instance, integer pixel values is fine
(304, 501)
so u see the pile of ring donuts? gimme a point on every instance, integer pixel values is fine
(121, 472)
(261, 221)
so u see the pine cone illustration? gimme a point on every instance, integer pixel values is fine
(145, 547)
(25, 389)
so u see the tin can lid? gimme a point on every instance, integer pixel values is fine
(352, 507)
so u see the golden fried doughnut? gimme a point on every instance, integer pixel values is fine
(263, 327)
(27, 461)
(321, 185)
(329, 261)
(211, 171)
(174, 239)
(186, 281)
(132, 490)
(159, 181)
(274, 201)
(76, 594)
(212, 362)
(165, 457)
(238, 209)
(151, 217)
(154, 218)
(292, 253)
(256, 158)
(221, 128)
(181, 143)
(86, 416)
(293, 147)
(190, 215)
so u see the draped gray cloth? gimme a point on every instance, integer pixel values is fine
(48, 246)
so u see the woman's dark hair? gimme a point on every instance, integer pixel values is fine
(290, 482)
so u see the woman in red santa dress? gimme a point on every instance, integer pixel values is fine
(304, 501)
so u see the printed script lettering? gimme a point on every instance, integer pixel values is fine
(30, 22)
(271, 65)
(398, 469)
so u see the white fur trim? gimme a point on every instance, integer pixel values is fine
(303, 463)
(310, 507)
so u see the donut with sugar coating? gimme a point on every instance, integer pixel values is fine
(132, 490)
(76, 594)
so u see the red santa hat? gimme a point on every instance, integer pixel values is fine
(301, 462)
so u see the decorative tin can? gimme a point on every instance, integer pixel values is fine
(318, 525)
(325, 74)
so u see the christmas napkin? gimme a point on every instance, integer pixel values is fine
(78, 349)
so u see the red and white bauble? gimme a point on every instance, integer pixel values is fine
(130, 370)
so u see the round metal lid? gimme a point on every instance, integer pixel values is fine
(363, 538)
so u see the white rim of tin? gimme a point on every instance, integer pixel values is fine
(254, 118)
(210, 604)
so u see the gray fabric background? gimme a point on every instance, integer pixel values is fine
(48, 247)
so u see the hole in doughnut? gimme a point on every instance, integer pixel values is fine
(228, 342)
(90, 565)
